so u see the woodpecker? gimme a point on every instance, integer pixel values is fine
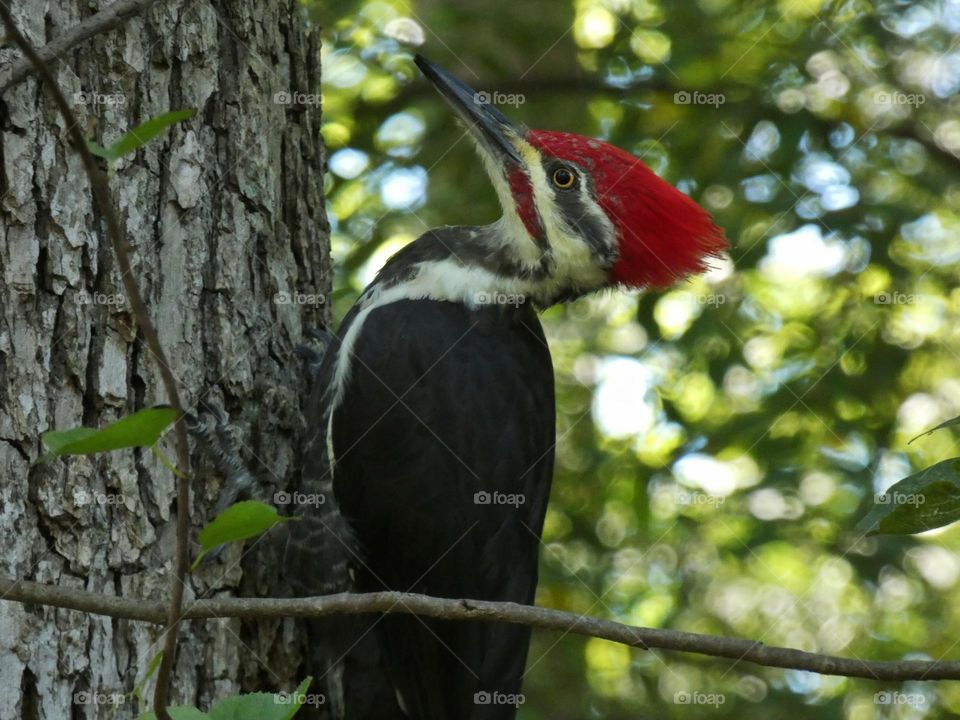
(433, 419)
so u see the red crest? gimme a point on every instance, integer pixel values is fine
(663, 234)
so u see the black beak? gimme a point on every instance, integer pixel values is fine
(488, 124)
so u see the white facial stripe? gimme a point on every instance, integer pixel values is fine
(524, 247)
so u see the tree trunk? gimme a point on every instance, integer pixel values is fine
(225, 217)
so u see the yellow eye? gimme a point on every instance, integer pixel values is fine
(564, 178)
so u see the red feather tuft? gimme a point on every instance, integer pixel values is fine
(663, 234)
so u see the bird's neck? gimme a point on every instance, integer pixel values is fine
(489, 264)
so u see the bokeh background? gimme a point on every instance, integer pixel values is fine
(718, 441)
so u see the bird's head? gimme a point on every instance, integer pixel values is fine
(578, 212)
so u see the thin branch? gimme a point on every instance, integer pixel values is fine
(736, 649)
(110, 17)
(103, 201)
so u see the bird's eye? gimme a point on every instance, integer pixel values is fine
(564, 178)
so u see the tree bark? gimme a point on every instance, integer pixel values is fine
(225, 216)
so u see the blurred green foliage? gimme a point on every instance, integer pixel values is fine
(718, 441)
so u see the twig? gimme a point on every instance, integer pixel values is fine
(736, 649)
(110, 17)
(101, 194)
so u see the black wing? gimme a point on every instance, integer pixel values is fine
(443, 447)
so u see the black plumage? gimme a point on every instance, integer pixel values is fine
(444, 454)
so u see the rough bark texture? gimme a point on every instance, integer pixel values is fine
(223, 213)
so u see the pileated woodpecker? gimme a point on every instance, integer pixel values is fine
(433, 415)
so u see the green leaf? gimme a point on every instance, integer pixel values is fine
(255, 706)
(139, 136)
(262, 706)
(947, 423)
(98, 150)
(300, 696)
(151, 669)
(240, 521)
(177, 712)
(165, 461)
(142, 429)
(923, 501)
